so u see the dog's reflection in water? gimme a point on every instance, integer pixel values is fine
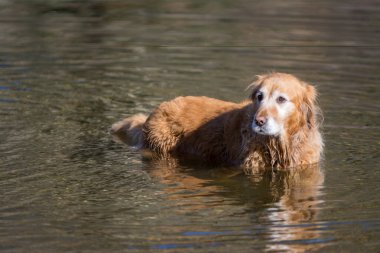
(294, 214)
(284, 202)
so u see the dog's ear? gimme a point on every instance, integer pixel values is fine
(309, 107)
(255, 86)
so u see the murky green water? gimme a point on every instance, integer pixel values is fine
(68, 70)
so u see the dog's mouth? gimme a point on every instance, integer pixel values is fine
(263, 130)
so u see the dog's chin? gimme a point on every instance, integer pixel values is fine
(262, 131)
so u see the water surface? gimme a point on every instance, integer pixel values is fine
(68, 70)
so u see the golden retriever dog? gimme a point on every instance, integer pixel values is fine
(276, 128)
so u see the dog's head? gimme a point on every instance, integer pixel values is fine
(282, 105)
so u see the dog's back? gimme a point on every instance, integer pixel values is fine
(191, 127)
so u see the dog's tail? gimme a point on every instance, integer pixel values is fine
(130, 131)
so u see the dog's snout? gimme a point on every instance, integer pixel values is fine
(260, 121)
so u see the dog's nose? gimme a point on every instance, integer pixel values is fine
(260, 121)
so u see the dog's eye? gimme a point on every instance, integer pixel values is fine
(281, 100)
(259, 96)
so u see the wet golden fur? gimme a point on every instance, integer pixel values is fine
(221, 132)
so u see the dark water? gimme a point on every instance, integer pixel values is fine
(68, 70)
